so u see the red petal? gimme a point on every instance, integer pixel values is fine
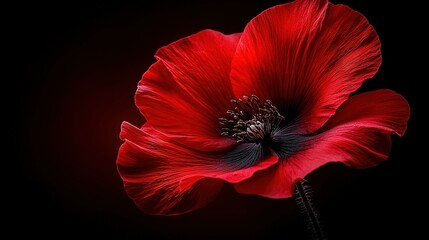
(274, 182)
(188, 89)
(358, 135)
(307, 57)
(164, 178)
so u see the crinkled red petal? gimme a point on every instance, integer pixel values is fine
(188, 89)
(165, 178)
(306, 56)
(358, 135)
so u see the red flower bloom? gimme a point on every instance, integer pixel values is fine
(298, 63)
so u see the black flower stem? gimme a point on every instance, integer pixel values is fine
(303, 197)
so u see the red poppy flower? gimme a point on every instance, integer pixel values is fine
(289, 76)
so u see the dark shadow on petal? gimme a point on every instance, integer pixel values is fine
(245, 155)
(284, 145)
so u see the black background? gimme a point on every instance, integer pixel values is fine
(75, 67)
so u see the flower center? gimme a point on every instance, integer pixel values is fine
(251, 120)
